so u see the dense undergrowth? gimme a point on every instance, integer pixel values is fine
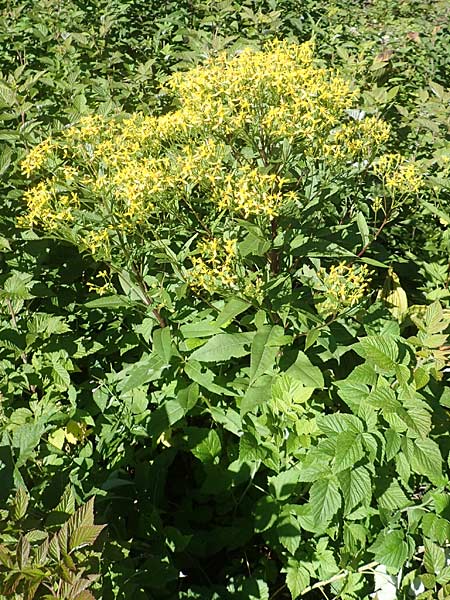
(224, 301)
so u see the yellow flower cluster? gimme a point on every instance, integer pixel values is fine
(357, 139)
(250, 192)
(218, 156)
(278, 92)
(97, 242)
(47, 208)
(398, 174)
(87, 128)
(343, 286)
(215, 266)
(37, 157)
(101, 290)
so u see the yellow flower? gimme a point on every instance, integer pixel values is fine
(343, 286)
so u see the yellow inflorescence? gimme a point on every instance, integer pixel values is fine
(47, 208)
(216, 157)
(357, 139)
(250, 192)
(343, 286)
(37, 157)
(398, 174)
(215, 266)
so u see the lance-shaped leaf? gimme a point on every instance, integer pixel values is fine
(23, 551)
(21, 503)
(84, 535)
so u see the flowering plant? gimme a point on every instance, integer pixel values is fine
(244, 176)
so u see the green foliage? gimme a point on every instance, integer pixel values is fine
(47, 562)
(269, 441)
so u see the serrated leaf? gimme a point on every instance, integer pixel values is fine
(297, 578)
(434, 319)
(67, 502)
(61, 377)
(393, 442)
(5, 557)
(390, 549)
(288, 532)
(209, 448)
(285, 483)
(41, 552)
(223, 347)
(426, 459)
(36, 535)
(324, 499)
(348, 451)
(21, 503)
(393, 498)
(83, 517)
(356, 487)
(84, 535)
(338, 423)
(434, 557)
(287, 393)
(381, 351)
(23, 552)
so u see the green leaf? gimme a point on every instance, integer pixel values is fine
(164, 417)
(205, 378)
(324, 499)
(356, 487)
(288, 393)
(297, 578)
(285, 483)
(393, 442)
(289, 532)
(232, 309)
(200, 329)
(434, 558)
(141, 372)
(223, 347)
(391, 550)
(381, 351)
(434, 319)
(249, 448)
(393, 498)
(339, 423)
(21, 503)
(188, 397)
(427, 460)
(348, 451)
(264, 350)
(209, 448)
(162, 343)
(363, 228)
(84, 535)
(111, 302)
(23, 552)
(5, 557)
(305, 372)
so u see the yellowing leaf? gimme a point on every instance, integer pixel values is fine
(57, 438)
